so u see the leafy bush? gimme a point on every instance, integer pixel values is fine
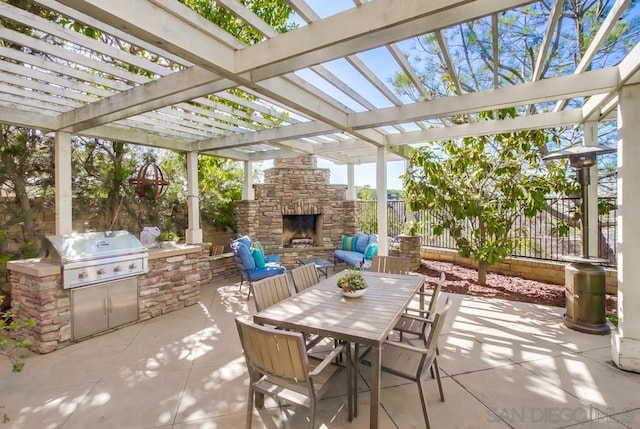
(10, 348)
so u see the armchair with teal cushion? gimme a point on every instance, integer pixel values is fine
(252, 263)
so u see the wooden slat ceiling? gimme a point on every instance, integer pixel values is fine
(60, 79)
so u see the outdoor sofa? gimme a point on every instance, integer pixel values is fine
(357, 250)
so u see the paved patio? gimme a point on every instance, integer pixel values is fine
(505, 364)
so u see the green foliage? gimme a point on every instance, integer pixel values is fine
(167, 236)
(273, 12)
(351, 281)
(220, 187)
(477, 187)
(9, 348)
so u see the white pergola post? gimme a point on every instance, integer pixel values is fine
(352, 195)
(410, 215)
(381, 189)
(193, 235)
(625, 342)
(63, 198)
(590, 138)
(247, 187)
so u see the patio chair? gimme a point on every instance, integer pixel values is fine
(271, 290)
(417, 322)
(304, 277)
(413, 363)
(391, 264)
(247, 265)
(279, 366)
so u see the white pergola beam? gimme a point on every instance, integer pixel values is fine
(355, 30)
(589, 83)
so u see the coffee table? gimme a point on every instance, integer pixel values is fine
(322, 265)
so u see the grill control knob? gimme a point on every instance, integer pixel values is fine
(83, 275)
(117, 269)
(133, 266)
(101, 271)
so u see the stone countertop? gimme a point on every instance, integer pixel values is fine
(178, 249)
(38, 268)
(34, 267)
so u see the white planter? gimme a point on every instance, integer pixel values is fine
(354, 294)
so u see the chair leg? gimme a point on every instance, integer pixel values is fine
(356, 375)
(423, 400)
(312, 414)
(249, 293)
(435, 366)
(250, 408)
(347, 351)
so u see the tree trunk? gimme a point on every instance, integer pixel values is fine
(482, 273)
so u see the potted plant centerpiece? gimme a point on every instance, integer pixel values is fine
(167, 239)
(352, 284)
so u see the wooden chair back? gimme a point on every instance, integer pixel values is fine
(216, 249)
(391, 264)
(273, 351)
(435, 295)
(270, 291)
(304, 277)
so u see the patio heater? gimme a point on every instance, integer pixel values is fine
(585, 288)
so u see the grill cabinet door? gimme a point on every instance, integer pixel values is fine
(103, 306)
(90, 311)
(123, 301)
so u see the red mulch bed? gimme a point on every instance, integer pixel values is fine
(463, 280)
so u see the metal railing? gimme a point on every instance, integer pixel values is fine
(540, 237)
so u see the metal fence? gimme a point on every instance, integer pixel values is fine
(540, 237)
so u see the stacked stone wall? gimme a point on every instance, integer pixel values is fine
(44, 300)
(295, 186)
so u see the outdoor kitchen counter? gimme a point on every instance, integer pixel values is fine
(171, 283)
(34, 267)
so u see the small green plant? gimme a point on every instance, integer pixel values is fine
(10, 348)
(167, 236)
(351, 281)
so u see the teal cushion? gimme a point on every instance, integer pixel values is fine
(257, 245)
(349, 243)
(371, 251)
(258, 257)
(361, 244)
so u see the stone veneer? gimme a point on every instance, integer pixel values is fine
(295, 186)
(173, 282)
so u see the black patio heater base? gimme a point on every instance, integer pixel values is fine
(585, 292)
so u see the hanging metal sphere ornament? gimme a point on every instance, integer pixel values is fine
(150, 182)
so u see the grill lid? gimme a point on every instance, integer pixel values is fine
(87, 246)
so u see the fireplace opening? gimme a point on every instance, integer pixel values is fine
(301, 230)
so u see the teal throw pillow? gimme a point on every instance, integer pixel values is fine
(258, 257)
(257, 245)
(371, 251)
(349, 243)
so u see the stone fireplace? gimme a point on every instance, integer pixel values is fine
(297, 202)
(301, 230)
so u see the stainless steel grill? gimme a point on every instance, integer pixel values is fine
(95, 257)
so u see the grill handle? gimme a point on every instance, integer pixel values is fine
(105, 306)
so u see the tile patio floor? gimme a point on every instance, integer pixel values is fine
(505, 364)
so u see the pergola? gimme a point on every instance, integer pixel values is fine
(66, 82)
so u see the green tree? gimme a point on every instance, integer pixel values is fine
(477, 187)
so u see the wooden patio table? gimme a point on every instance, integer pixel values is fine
(368, 320)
